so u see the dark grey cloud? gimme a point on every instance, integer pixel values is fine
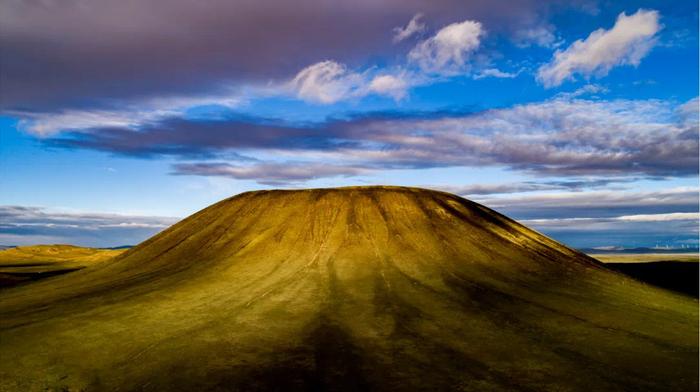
(187, 138)
(93, 53)
(22, 225)
(560, 137)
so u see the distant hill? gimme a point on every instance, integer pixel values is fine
(641, 250)
(55, 253)
(349, 289)
(28, 263)
(119, 247)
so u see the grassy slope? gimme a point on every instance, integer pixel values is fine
(26, 263)
(349, 289)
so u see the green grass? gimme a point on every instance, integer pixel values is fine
(368, 288)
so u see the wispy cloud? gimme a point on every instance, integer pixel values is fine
(573, 185)
(540, 35)
(328, 82)
(586, 90)
(626, 43)
(607, 217)
(595, 203)
(415, 26)
(119, 114)
(22, 225)
(556, 137)
(275, 174)
(579, 223)
(446, 53)
(673, 216)
(395, 86)
(495, 73)
(189, 138)
(647, 230)
(449, 50)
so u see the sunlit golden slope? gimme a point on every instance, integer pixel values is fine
(370, 288)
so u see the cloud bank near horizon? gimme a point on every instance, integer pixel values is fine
(24, 225)
(559, 137)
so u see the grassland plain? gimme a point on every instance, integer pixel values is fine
(364, 288)
(647, 258)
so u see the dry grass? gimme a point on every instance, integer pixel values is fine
(646, 257)
(24, 264)
(371, 288)
(55, 255)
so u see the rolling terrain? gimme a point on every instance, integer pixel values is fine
(24, 264)
(348, 289)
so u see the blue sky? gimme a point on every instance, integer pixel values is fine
(578, 118)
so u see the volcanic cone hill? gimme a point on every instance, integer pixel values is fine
(368, 288)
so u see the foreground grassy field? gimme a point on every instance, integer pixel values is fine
(351, 289)
(28, 263)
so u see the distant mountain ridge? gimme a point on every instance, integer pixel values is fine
(640, 250)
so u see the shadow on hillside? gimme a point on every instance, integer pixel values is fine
(16, 278)
(678, 276)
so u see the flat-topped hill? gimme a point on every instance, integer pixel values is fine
(362, 288)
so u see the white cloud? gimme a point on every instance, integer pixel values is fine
(587, 89)
(508, 188)
(674, 216)
(414, 26)
(277, 174)
(662, 226)
(682, 197)
(45, 124)
(23, 225)
(558, 137)
(448, 51)
(690, 111)
(326, 82)
(667, 217)
(629, 40)
(390, 85)
(445, 53)
(495, 73)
